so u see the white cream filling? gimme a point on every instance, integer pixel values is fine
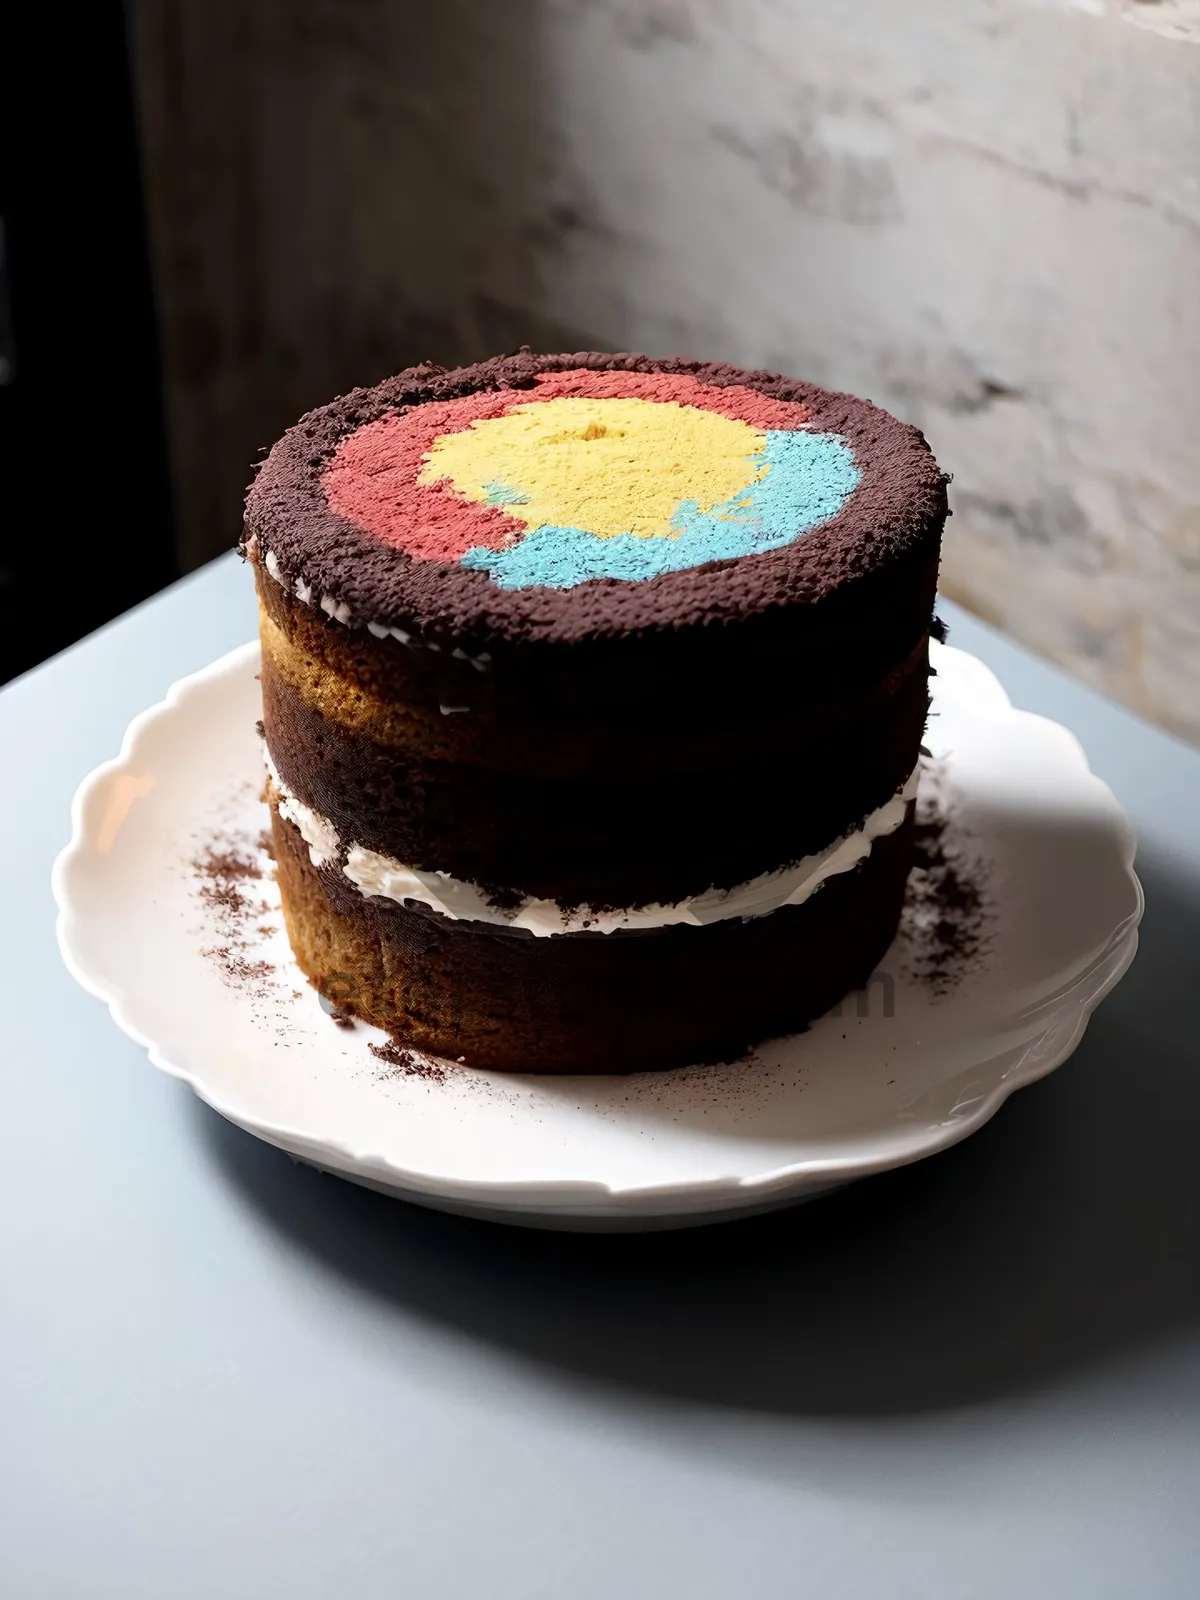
(376, 874)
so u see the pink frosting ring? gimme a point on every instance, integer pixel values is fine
(372, 478)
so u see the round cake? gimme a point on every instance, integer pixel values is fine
(593, 696)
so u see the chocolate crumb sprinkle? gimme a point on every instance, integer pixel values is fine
(226, 872)
(946, 914)
(405, 1064)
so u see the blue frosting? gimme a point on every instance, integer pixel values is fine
(499, 494)
(810, 476)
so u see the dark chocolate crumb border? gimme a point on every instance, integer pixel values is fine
(899, 506)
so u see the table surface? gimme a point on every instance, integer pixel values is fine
(226, 1376)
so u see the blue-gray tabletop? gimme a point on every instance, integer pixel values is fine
(226, 1376)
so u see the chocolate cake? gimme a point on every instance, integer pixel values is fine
(593, 694)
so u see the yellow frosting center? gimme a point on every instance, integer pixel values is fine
(608, 466)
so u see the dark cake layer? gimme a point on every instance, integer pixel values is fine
(621, 1002)
(573, 708)
(691, 813)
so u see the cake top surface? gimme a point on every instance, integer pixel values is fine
(578, 495)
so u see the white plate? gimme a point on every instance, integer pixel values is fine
(854, 1095)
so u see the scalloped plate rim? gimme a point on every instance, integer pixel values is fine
(517, 1198)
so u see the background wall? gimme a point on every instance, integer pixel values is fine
(984, 214)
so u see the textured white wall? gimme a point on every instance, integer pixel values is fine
(984, 214)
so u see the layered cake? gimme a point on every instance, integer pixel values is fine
(593, 695)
